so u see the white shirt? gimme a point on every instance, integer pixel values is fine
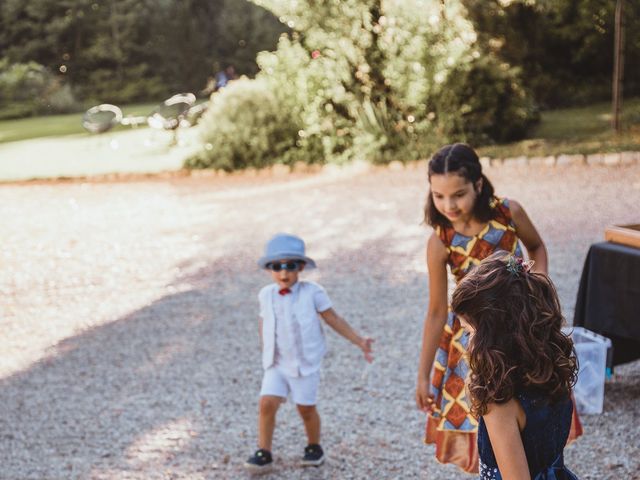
(288, 354)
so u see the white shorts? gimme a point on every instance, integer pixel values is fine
(303, 390)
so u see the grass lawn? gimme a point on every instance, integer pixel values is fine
(576, 130)
(571, 130)
(58, 125)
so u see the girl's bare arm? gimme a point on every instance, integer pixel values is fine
(504, 422)
(434, 320)
(530, 237)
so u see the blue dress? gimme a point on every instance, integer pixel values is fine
(544, 437)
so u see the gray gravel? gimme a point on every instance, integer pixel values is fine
(129, 309)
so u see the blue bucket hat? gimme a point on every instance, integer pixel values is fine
(285, 246)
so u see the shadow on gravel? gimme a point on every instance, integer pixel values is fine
(171, 389)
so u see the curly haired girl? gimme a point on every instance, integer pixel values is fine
(522, 369)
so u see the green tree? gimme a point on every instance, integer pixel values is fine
(123, 50)
(31, 89)
(563, 47)
(366, 79)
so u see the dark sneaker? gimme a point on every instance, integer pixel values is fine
(260, 462)
(313, 456)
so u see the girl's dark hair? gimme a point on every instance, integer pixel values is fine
(518, 342)
(461, 159)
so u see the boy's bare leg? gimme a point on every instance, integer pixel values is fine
(268, 407)
(311, 421)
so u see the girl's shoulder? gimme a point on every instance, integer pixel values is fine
(437, 246)
(500, 203)
(443, 233)
(506, 412)
(439, 243)
(503, 209)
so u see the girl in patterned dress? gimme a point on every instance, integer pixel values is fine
(522, 369)
(470, 223)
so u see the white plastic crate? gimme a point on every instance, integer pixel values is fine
(591, 350)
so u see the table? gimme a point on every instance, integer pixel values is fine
(608, 300)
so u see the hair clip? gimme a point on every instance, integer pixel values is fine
(516, 266)
(528, 265)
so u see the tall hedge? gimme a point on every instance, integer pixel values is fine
(378, 80)
(28, 89)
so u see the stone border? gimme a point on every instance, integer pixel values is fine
(361, 166)
(356, 167)
(300, 169)
(563, 160)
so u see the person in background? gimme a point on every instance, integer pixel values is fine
(220, 80)
(223, 77)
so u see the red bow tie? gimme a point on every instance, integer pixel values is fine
(284, 291)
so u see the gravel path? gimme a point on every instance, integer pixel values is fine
(129, 311)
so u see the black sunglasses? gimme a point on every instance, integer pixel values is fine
(290, 266)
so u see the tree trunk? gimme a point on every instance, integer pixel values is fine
(618, 65)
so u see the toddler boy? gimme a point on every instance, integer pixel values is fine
(293, 346)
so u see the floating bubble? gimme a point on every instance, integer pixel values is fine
(101, 118)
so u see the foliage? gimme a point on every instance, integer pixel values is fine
(136, 83)
(483, 102)
(564, 48)
(378, 80)
(28, 89)
(268, 131)
(125, 50)
(579, 130)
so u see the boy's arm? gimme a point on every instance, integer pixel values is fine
(260, 332)
(340, 325)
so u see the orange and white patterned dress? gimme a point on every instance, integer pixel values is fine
(452, 427)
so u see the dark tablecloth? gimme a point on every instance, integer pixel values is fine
(608, 299)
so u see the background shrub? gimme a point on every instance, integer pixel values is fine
(31, 89)
(136, 50)
(246, 125)
(483, 102)
(137, 82)
(369, 80)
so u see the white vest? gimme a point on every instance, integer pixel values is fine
(303, 312)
